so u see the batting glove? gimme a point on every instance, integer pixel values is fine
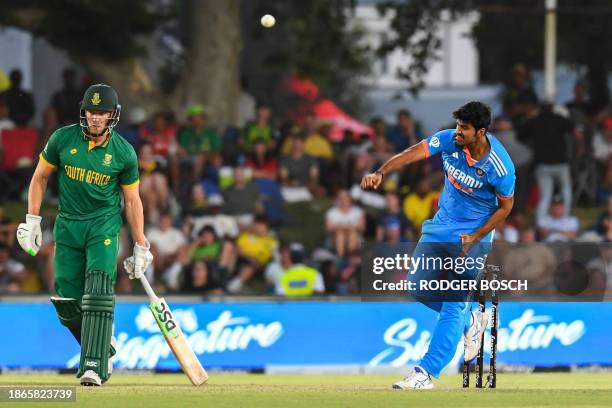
(29, 234)
(137, 264)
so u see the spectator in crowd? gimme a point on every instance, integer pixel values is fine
(161, 137)
(207, 247)
(604, 223)
(166, 241)
(65, 102)
(19, 101)
(299, 280)
(602, 142)
(8, 229)
(518, 94)
(506, 232)
(345, 224)
(404, 133)
(262, 162)
(299, 169)
(392, 230)
(5, 121)
(530, 260)
(280, 263)
(196, 143)
(255, 250)
(605, 186)
(317, 143)
(246, 104)
(580, 108)
(557, 225)
(199, 279)
(548, 134)
(153, 184)
(391, 215)
(260, 129)
(242, 199)
(347, 279)
(198, 203)
(379, 126)
(133, 128)
(422, 203)
(519, 152)
(12, 272)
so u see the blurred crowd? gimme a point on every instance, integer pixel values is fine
(220, 204)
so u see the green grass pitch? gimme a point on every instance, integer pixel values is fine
(227, 390)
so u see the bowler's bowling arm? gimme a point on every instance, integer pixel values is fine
(412, 154)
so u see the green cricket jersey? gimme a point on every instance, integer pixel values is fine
(90, 176)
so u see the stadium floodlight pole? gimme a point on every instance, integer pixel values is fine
(550, 50)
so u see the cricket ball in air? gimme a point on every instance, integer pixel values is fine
(268, 21)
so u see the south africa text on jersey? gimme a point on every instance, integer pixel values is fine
(88, 176)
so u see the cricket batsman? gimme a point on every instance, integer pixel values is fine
(95, 163)
(478, 195)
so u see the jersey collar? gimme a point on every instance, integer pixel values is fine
(471, 161)
(91, 144)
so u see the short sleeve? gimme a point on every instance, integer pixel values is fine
(504, 186)
(50, 154)
(129, 176)
(440, 142)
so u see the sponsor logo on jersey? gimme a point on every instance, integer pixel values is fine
(461, 180)
(434, 142)
(95, 99)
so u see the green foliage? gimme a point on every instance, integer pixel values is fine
(506, 33)
(107, 29)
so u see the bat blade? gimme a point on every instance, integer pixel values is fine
(177, 342)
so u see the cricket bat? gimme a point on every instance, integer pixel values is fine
(174, 336)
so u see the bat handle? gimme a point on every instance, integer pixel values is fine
(147, 287)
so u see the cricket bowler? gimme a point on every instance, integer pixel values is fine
(478, 195)
(95, 163)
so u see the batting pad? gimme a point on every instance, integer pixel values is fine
(98, 310)
(70, 315)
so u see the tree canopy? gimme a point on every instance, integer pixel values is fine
(106, 29)
(506, 33)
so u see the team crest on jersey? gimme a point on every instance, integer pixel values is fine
(107, 159)
(73, 151)
(434, 142)
(95, 99)
(107, 241)
(479, 172)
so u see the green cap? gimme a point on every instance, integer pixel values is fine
(100, 97)
(194, 110)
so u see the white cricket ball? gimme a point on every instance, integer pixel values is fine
(268, 21)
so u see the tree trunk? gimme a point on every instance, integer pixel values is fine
(211, 76)
(132, 83)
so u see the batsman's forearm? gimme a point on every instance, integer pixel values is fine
(412, 154)
(36, 192)
(135, 217)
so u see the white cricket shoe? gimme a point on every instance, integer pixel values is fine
(418, 379)
(473, 338)
(91, 378)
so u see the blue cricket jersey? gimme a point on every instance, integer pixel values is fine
(472, 188)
